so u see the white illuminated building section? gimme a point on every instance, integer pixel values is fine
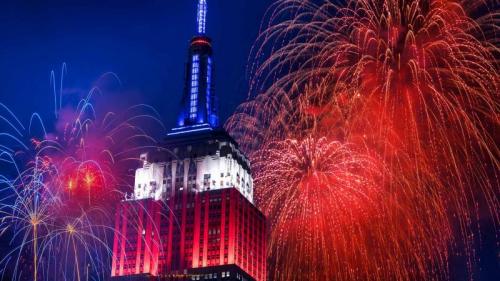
(161, 180)
(148, 180)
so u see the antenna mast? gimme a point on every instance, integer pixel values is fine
(202, 16)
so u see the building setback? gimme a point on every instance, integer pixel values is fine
(191, 216)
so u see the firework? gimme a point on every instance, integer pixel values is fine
(318, 195)
(57, 244)
(59, 187)
(413, 82)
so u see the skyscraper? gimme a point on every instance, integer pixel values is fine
(191, 216)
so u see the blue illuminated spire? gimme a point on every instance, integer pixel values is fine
(202, 16)
(199, 104)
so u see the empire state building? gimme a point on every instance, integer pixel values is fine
(191, 216)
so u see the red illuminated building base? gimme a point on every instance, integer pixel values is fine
(191, 232)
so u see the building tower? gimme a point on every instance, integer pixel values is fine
(191, 216)
(199, 104)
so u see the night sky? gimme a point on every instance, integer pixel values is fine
(144, 42)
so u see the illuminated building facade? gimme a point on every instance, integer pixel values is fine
(191, 216)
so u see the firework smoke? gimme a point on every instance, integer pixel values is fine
(61, 186)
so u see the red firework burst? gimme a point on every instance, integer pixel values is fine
(318, 194)
(86, 183)
(414, 82)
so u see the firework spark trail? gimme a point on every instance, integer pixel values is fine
(40, 230)
(319, 191)
(414, 83)
(56, 202)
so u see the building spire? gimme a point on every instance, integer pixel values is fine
(202, 16)
(199, 106)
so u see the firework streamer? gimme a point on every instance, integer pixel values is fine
(413, 83)
(61, 184)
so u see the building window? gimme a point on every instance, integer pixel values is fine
(209, 85)
(206, 181)
(195, 74)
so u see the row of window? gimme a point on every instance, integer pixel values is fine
(209, 84)
(195, 71)
(210, 276)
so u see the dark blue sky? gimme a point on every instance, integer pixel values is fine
(144, 42)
